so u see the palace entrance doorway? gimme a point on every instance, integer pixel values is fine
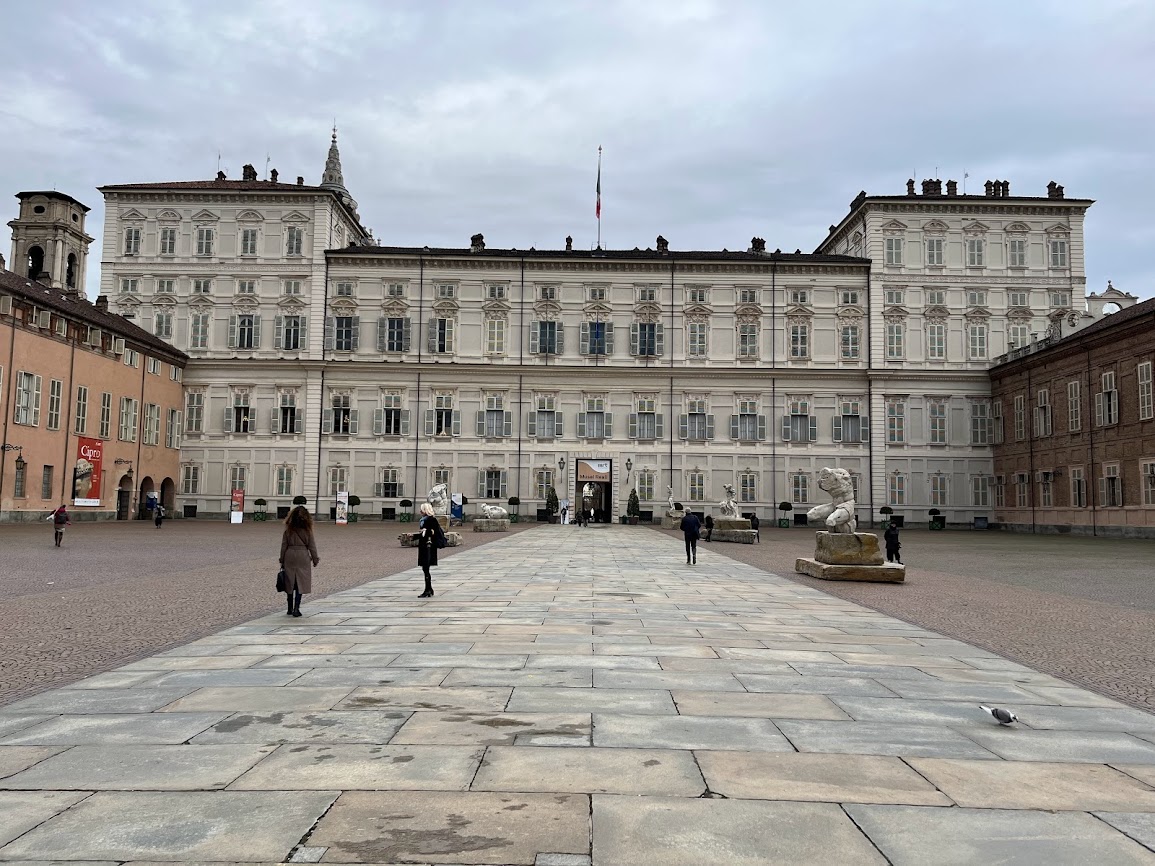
(594, 493)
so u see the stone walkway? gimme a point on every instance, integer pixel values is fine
(576, 697)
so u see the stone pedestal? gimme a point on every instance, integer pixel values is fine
(486, 524)
(849, 556)
(723, 523)
(411, 539)
(739, 536)
(673, 520)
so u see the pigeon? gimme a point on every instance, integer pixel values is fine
(1003, 717)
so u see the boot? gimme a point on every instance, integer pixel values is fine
(289, 596)
(297, 603)
(428, 587)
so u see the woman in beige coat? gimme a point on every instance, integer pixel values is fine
(298, 556)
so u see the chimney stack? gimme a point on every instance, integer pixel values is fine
(927, 187)
(910, 186)
(1054, 190)
(273, 176)
(569, 243)
(663, 245)
(248, 173)
(477, 243)
(221, 176)
(989, 186)
(102, 302)
(300, 181)
(2, 267)
(1005, 188)
(758, 245)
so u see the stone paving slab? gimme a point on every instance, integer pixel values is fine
(14, 759)
(878, 738)
(363, 767)
(491, 729)
(658, 772)
(764, 706)
(319, 727)
(687, 732)
(20, 811)
(1140, 826)
(117, 729)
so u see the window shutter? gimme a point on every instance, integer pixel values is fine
(278, 331)
(1099, 409)
(256, 331)
(633, 425)
(761, 428)
(609, 338)
(557, 424)
(507, 425)
(480, 423)
(226, 425)
(480, 483)
(683, 426)
(560, 347)
(430, 422)
(302, 340)
(531, 423)
(837, 427)
(534, 337)
(252, 421)
(785, 428)
(378, 422)
(863, 428)
(232, 332)
(356, 332)
(659, 340)
(404, 422)
(329, 326)
(634, 338)
(298, 420)
(448, 336)
(379, 489)
(734, 427)
(275, 420)
(581, 425)
(1103, 490)
(584, 338)
(431, 335)
(353, 424)
(406, 334)
(660, 426)
(813, 428)
(608, 424)
(327, 421)
(382, 333)
(709, 426)
(400, 488)
(456, 423)
(504, 485)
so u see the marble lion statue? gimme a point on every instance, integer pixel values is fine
(439, 499)
(727, 506)
(493, 512)
(838, 515)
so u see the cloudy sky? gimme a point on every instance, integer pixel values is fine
(720, 120)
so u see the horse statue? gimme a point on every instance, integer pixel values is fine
(439, 499)
(493, 512)
(838, 515)
(727, 506)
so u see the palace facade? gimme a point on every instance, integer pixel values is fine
(324, 361)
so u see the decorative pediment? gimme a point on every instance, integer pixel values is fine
(205, 216)
(295, 217)
(895, 311)
(246, 303)
(547, 308)
(850, 317)
(163, 301)
(128, 302)
(851, 311)
(132, 214)
(894, 226)
(798, 318)
(168, 216)
(495, 304)
(496, 314)
(200, 305)
(977, 315)
(291, 304)
(648, 307)
(799, 310)
(977, 228)
(935, 227)
(343, 307)
(755, 318)
(1019, 314)
(394, 307)
(598, 308)
(445, 307)
(696, 309)
(249, 216)
(936, 311)
(699, 318)
(1059, 229)
(648, 317)
(748, 310)
(1017, 229)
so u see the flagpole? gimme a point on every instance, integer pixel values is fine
(598, 211)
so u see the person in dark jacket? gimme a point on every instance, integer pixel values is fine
(60, 519)
(298, 556)
(709, 526)
(691, 527)
(755, 524)
(892, 543)
(427, 546)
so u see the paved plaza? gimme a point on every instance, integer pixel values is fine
(576, 697)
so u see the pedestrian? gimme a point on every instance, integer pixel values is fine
(754, 524)
(709, 526)
(432, 537)
(691, 527)
(564, 515)
(892, 543)
(298, 556)
(60, 519)
(159, 515)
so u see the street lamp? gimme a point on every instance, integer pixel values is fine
(629, 468)
(561, 464)
(6, 448)
(120, 461)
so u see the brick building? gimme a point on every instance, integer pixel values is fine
(1075, 429)
(90, 404)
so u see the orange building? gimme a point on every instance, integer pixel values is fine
(90, 403)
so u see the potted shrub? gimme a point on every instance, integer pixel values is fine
(405, 516)
(300, 500)
(551, 504)
(354, 501)
(937, 519)
(886, 511)
(634, 507)
(513, 503)
(785, 508)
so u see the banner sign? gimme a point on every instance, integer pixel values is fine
(342, 507)
(593, 470)
(237, 512)
(86, 473)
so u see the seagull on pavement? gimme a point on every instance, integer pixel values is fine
(1003, 717)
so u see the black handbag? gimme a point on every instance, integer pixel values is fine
(282, 578)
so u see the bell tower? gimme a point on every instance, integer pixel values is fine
(48, 240)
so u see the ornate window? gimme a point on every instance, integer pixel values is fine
(495, 335)
(850, 340)
(799, 339)
(977, 341)
(248, 242)
(647, 339)
(167, 241)
(544, 421)
(896, 489)
(893, 250)
(290, 332)
(936, 414)
(696, 425)
(848, 297)
(392, 419)
(238, 416)
(800, 488)
(939, 489)
(850, 423)
(747, 487)
(1017, 253)
(798, 425)
(935, 252)
(543, 481)
(895, 421)
(934, 297)
(696, 485)
(747, 340)
(546, 338)
(895, 297)
(162, 324)
(284, 481)
(340, 418)
(895, 340)
(190, 479)
(1058, 250)
(442, 419)
(204, 241)
(1074, 406)
(936, 340)
(440, 335)
(395, 334)
(646, 421)
(595, 422)
(344, 290)
(697, 337)
(494, 421)
(597, 338)
(1018, 335)
(980, 422)
(976, 252)
(294, 240)
(287, 418)
(646, 483)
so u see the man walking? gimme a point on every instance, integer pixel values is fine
(159, 515)
(892, 543)
(691, 527)
(754, 524)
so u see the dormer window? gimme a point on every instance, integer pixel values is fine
(976, 298)
(849, 297)
(895, 297)
(800, 296)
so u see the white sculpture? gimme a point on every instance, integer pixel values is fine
(493, 512)
(839, 514)
(671, 499)
(439, 499)
(727, 506)
(589, 491)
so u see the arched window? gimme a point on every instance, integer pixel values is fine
(70, 274)
(35, 262)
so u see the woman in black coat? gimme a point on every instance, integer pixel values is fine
(892, 543)
(427, 546)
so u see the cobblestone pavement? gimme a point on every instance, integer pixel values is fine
(576, 697)
(1080, 608)
(118, 591)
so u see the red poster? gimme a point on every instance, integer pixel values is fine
(86, 473)
(238, 507)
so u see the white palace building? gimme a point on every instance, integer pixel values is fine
(322, 361)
